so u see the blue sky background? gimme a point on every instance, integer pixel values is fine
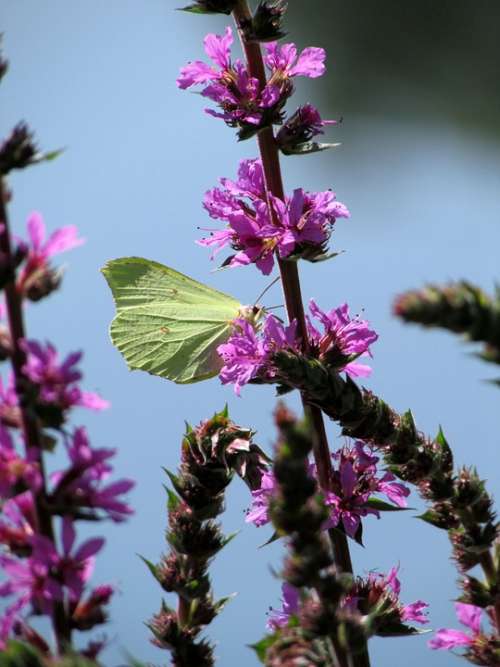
(99, 79)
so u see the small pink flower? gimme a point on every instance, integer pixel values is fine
(448, 638)
(278, 618)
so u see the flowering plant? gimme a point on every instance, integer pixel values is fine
(316, 498)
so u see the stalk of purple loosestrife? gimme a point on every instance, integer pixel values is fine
(236, 90)
(45, 572)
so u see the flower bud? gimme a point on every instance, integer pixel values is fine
(266, 24)
(18, 150)
(211, 7)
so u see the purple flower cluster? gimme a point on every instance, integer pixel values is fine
(480, 648)
(257, 229)
(243, 101)
(366, 594)
(41, 572)
(354, 485)
(248, 353)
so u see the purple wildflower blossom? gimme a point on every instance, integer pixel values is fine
(343, 340)
(382, 591)
(229, 84)
(17, 473)
(258, 513)
(18, 523)
(57, 381)
(283, 59)
(82, 485)
(242, 99)
(355, 482)
(300, 225)
(46, 576)
(278, 618)
(448, 638)
(42, 249)
(248, 351)
(301, 127)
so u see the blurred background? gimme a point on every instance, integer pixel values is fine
(419, 167)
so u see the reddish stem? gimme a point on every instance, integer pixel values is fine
(293, 297)
(29, 422)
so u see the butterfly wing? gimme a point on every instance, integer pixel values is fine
(167, 323)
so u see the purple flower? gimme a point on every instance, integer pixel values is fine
(56, 380)
(343, 340)
(448, 638)
(301, 127)
(82, 485)
(248, 351)
(306, 220)
(258, 513)
(278, 618)
(17, 473)
(299, 226)
(46, 575)
(283, 61)
(354, 482)
(18, 523)
(381, 592)
(41, 249)
(228, 84)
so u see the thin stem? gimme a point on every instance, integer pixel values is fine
(290, 276)
(291, 287)
(29, 422)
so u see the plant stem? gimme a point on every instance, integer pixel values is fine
(291, 287)
(289, 273)
(29, 422)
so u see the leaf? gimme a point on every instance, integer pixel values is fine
(167, 323)
(382, 506)
(275, 536)
(151, 566)
(400, 630)
(307, 147)
(261, 647)
(433, 518)
(229, 538)
(220, 604)
(47, 157)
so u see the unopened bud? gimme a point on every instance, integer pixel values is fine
(18, 150)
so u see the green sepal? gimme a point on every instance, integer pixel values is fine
(196, 9)
(307, 147)
(172, 498)
(382, 506)
(325, 257)
(275, 536)
(220, 604)
(49, 156)
(261, 647)
(229, 538)
(150, 565)
(432, 517)
(400, 630)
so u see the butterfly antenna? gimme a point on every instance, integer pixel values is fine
(266, 290)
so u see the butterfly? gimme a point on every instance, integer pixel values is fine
(167, 323)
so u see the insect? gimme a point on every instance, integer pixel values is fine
(167, 323)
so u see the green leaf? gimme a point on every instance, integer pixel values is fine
(441, 440)
(382, 506)
(400, 630)
(433, 518)
(151, 566)
(47, 157)
(307, 148)
(167, 323)
(220, 604)
(275, 536)
(229, 538)
(261, 647)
